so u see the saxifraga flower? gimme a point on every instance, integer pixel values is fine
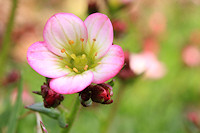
(76, 53)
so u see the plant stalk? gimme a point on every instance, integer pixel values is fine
(72, 116)
(6, 42)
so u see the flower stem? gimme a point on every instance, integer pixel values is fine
(6, 42)
(105, 125)
(72, 116)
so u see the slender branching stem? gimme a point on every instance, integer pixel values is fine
(105, 125)
(72, 116)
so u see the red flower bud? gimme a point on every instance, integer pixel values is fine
(85, 96)
(51, 98)
(101, 93)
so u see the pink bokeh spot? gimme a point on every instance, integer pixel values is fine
(75, 54)
(148, 64)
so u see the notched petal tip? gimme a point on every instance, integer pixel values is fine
(99, 29)
(63, 30)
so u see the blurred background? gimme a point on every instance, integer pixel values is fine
(164, 35)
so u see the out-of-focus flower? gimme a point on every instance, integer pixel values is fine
(76, 53)
(191, 56)
(100, 93)
(148, 64)
(27, 98)
(119, 27)
(193, 117)
(92, 6)
(150, 44)
(12, 77)
(126, 72)
(157, 23)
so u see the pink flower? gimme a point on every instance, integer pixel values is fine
(76, 53)
(148, 64)
(191, 56)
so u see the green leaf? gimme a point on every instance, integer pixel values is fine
(39, 107)
(61, 121)
(16, 109)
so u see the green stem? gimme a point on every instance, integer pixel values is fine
(72, 116)
(109, 120)
(6, 43)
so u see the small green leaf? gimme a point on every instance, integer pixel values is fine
(16, 109)
(39, 107)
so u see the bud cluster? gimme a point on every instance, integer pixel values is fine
(50, 97)
(100, 93)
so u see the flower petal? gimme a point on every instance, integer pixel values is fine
(100, 28)
(72, 84)
(44, 61)
(110, 65)
(64, 31)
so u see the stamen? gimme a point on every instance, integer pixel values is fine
(83, 56)
(82, 43)
(61, 58)
(92, 46)
(66, 66)
(96, 54)
(75, 70)
(98, 62)
(71, 42)
(73, 56)
(82, 39)
(63, 50)
(86, 67)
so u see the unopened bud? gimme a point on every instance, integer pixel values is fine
(101, 93)
(85, 96)
(50, 97)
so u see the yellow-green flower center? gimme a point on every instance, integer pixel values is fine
(80, 61)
